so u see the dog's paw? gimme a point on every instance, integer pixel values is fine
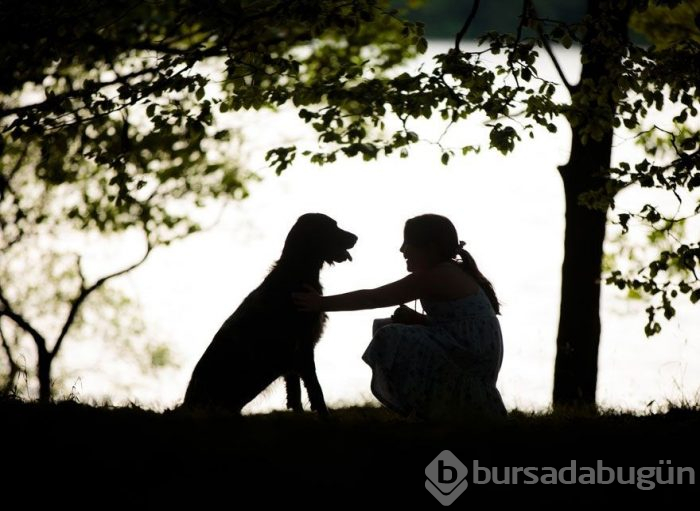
(295, 407)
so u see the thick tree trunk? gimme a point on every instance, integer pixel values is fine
(576, 367)
(592, 103)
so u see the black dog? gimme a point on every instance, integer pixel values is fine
(267, 337)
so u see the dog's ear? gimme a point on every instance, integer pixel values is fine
(303, 239)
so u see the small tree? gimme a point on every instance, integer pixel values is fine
(108, 324)
(54, 202)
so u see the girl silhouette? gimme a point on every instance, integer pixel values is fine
(442, 364)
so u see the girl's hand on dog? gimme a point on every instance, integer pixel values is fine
(309, 300)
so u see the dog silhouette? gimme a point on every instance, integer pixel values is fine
(267, 337)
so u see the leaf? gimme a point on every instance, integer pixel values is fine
(632, 294)
(695, 296)
(566, 41)
(624, 219)
(694, 181)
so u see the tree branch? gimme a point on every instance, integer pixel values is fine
(81, 275)
(73, 93)
(524, 15)
(548, 48)
(6, 186)
(570, 87)
(76, 119)
(14, 366)
(167, 49)
(87, 291)
(472, 14)
(19, 320)
(5, 180)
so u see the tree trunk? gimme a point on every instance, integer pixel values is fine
(576, 366)
(44, 374)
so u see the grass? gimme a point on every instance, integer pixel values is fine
(75, 451)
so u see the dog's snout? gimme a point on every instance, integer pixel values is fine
(350, 239)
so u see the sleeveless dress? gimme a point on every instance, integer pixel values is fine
(445, 369)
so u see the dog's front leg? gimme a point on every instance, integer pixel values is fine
(293, 384)
(313, 387)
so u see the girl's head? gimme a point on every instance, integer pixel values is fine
(428, 240)
(432, 239)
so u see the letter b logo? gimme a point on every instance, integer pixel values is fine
(446, 473)
(446, 478)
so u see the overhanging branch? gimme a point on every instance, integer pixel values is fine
(570, 87)
(548, 48)
(57, 99)
(462, 32)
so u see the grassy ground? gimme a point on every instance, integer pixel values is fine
(73, 452)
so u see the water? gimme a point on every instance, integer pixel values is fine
(508, 210)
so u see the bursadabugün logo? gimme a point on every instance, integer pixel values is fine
(448, 477)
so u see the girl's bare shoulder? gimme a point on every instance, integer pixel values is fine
(449, 277)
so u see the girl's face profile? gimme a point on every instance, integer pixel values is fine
(417, 258)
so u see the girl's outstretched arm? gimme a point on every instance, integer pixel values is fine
(404, 290)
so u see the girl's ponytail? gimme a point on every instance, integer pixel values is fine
(468, 264)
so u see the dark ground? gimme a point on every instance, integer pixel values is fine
(68, 453)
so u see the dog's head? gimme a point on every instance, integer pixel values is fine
(317, 237)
